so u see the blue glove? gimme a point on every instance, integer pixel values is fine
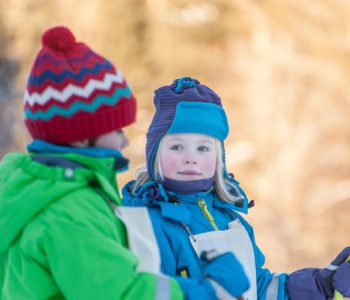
(197, 288)
(341, 277)
(226, 271)
(315, 284)
(326, 275)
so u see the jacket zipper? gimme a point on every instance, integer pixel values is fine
(206, 212)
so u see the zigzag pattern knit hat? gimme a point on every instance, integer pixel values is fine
(185, 106)
(74, 93)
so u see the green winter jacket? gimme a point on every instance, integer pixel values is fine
(59, 237)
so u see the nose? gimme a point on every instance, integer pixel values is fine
(190, 160)
(125, 142)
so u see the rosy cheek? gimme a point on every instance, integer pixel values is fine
(169, 166)
(209, 166)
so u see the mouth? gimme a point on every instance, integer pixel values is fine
(189, 173)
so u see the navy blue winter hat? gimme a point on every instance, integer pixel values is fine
(185, 106)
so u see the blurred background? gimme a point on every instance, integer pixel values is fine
(282, 68)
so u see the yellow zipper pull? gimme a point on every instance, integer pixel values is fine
(206, 212)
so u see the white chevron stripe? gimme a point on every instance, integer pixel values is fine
(71, 89)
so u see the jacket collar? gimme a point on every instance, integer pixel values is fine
(173, 206)
(153, 194)
(98, 159)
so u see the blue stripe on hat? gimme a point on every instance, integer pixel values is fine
(58, 78)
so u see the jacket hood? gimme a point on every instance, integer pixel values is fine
(28, 186)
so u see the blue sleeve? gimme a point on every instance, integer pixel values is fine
(270, 286)
(168, 262)
(193, 288)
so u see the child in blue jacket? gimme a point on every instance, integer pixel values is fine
(195, 204)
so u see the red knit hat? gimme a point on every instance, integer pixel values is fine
(74, 93)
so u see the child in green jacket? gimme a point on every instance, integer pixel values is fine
(60, 238)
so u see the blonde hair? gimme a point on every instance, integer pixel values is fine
(222, 186)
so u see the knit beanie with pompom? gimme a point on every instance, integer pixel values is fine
(74, 93)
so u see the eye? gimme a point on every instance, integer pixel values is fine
(176, 147)
(203, 149)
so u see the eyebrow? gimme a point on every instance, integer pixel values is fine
(206, 141)
(171, 140)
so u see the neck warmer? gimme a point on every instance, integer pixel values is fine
(40, 146)
(188, 187)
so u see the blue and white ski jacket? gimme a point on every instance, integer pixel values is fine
(169, 213)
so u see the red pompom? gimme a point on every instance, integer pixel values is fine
(58, 38)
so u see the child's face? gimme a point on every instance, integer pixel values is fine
(115, 140)
(187, 157)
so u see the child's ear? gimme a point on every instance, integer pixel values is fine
(81, 144)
